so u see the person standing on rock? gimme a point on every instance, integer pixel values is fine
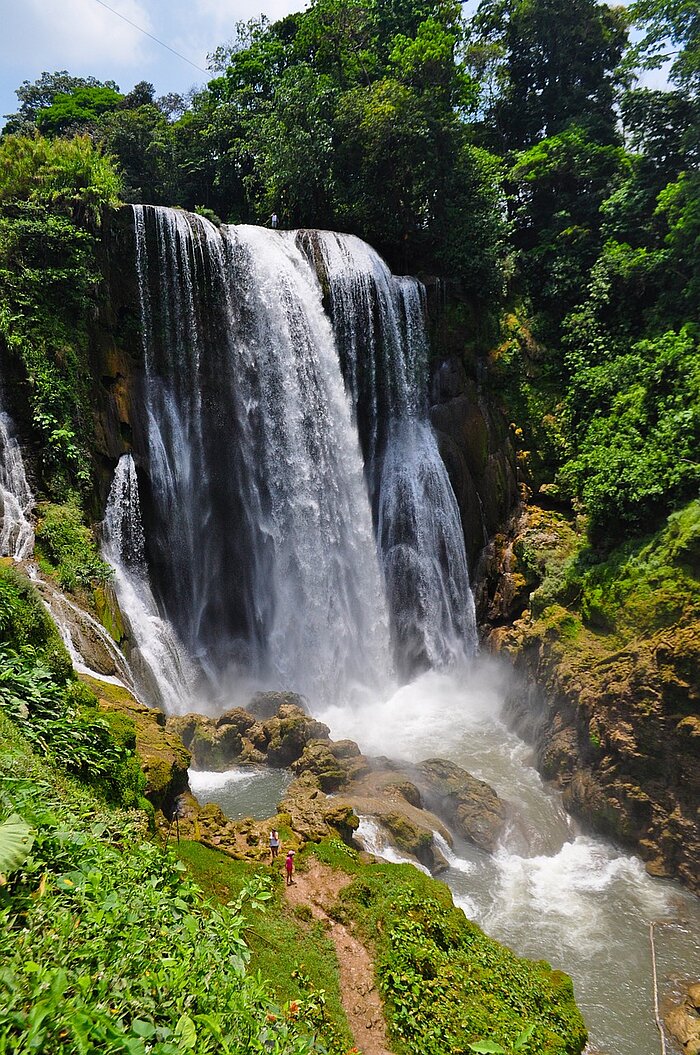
(289, 867)
(274, 843)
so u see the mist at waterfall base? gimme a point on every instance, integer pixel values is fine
(286, 522)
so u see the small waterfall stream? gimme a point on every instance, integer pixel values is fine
(157, 663)
(16, 498)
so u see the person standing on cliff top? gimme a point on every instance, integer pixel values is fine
(274, 221)
(289, 867)
(274, 843)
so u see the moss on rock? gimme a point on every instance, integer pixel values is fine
(164, 757)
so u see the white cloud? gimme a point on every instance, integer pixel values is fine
(57, 34)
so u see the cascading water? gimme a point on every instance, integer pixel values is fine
(16, 499)
(157, 662)
(260, 537)
(379, 321)
(549, 892)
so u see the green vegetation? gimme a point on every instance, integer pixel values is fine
(56, 713)
(444, 982)
(66, 548)
(52, 196)
(106, 944)
(286, 946)
(643, 586)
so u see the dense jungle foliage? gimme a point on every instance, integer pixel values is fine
(513, 154)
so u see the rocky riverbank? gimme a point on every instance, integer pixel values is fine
(609, 657)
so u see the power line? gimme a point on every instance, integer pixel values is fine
(147, 34)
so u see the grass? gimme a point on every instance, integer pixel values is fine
(293, 952)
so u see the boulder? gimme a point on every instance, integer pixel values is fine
(289, 733)
(266, 705)
(469, 806)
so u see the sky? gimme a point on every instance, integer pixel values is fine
(85, 38)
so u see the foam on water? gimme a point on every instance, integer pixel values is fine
(374, 838)
(203, 781)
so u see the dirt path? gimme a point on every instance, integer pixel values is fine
(318, 888)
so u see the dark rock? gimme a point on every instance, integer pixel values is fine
(469, 806)
(266, 705)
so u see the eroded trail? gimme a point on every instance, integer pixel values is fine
(318, 888)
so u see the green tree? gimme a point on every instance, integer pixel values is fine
(40, 94)
(77, 110)
(552, 65)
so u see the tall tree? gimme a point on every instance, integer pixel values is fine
(551, 64)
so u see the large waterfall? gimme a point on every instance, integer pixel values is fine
(298, 518)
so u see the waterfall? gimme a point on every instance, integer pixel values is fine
(259, 534)
(157, 663)
(16, 499)
(379, 320)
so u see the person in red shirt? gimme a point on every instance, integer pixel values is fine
(289, 867)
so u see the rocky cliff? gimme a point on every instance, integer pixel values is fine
(609, 658)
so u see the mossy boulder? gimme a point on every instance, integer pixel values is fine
(237, 736)
(163, 756)
(319, 759)
(289, 733)
(312, 815)
(409, 836)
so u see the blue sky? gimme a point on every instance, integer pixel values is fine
(84, 38)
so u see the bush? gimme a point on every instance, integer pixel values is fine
(637, 436)
(106, 945)
(66, 547)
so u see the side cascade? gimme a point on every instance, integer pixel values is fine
(16, 498)
(379, 321)
(156, 662)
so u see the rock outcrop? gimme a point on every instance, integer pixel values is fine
(683, 1020)
(164, 758)
(475, 444)
(470, 807)
(609, 679)
(334, 784)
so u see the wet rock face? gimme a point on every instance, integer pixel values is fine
(267, 704)
(469, 807)
(475, 444)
